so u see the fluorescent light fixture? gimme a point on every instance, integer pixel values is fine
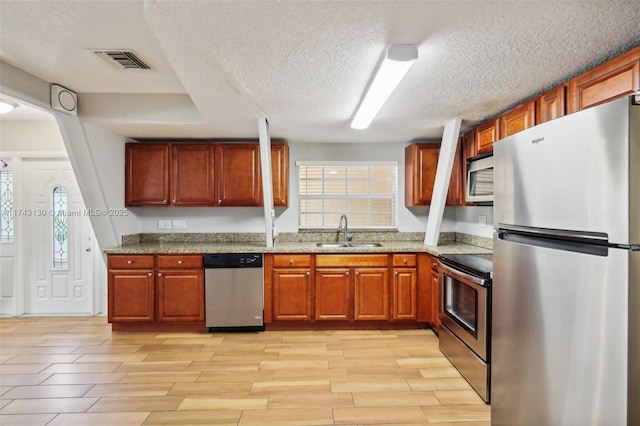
(7, 106)
(399, 59)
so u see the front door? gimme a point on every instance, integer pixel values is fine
(58, 258)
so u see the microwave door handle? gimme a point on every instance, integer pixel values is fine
(477, 283)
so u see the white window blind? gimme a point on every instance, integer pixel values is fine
(365, 191)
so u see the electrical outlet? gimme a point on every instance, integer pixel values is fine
(164, 224)
(482, 220)
(179, 224)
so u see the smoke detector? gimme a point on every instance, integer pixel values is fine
(122, 59)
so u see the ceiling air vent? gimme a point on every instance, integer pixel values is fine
(123, 59)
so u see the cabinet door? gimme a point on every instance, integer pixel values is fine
(146, 174)
(421, 161)
(371, 287)
(518, 119)
(332, 294)
(455, 194)
(131, 295)
(238, 174)
(405, 304)
(613, 79)
(551, 105)
(180, 295)
(435, 300)
(486, 135)
(192, 174)
(280, 174)
(292, 294)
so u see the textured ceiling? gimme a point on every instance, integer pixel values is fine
(305, 65)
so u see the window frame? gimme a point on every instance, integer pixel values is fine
(393, 197)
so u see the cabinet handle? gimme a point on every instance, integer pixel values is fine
(308, 273)
(159, 274)
(164, 201)
(219, 201)
(129, 262)
(357, 273)
(179, 262)
(405, 261)
(290, 261)
(150, 274)
(347, 273)
(396, 273)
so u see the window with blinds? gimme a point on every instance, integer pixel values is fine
(365, 191)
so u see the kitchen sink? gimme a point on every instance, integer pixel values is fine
(347, 245)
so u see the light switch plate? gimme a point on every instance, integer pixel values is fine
(482, 220)
(179, 224)
(164, 224)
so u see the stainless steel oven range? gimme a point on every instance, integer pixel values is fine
(465, 317)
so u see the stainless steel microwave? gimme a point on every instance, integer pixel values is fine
(479, 188)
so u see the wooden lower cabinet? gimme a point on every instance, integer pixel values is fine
(292, 294)
(156, 292)
(341, 291)
(333, 294)
(180, 295)
(405, 287)
(371, 294)
(131, 295)
(435, 295)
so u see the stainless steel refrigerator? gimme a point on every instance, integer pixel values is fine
(566, 276)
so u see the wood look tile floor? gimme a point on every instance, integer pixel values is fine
(76, 371)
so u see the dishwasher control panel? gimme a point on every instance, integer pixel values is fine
(233, 260)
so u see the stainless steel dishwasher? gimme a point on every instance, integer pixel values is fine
(234, 292)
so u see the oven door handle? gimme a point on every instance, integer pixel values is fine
(480, 282)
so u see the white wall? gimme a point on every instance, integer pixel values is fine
(31, 136)
(468, 221)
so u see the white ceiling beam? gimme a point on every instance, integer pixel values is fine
(267, 185)
(443, 177)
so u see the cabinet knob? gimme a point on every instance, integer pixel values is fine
(347, 273)
(357, 273)
(164, 201)
(159, 274)
(308, 273)
(290, 261)
(150, 274)
(405, 261)
(129, 262)
(396, 273)
(179, 262)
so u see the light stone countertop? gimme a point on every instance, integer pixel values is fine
(292, 247)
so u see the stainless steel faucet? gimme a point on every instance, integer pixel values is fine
(347, 236)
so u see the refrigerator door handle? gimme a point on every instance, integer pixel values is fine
(587, 237)
(575, 245)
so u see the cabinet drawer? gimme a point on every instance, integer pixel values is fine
(404, 260)
(291, 260)
(179, 261)
(134, 261)
(351, 260)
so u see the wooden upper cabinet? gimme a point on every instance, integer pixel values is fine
(517, 119)
(455, 194)
(551, 105)
(613, 79)
(237, 173)
(146, 174)
(280, 173)
(192, 174)
(420, 163)
(486, 134)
